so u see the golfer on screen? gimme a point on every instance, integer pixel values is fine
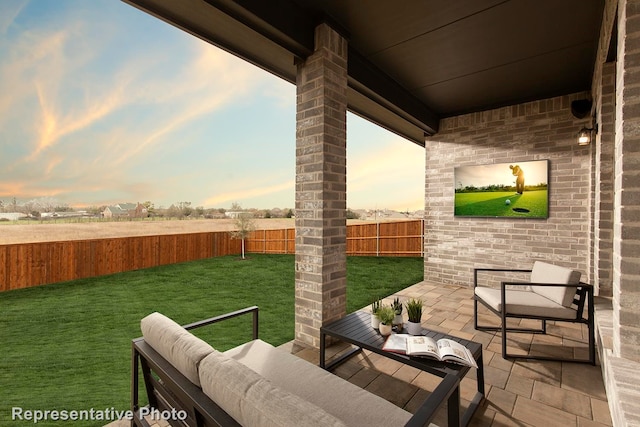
(519, 174)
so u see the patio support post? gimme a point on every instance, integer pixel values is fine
(626, 238)
(321, 225)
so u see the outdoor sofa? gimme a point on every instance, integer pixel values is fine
(254, 384)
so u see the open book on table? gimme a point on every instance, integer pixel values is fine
(443, 349)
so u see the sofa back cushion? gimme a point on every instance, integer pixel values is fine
(543, 272)
(177, 345)
(253, 400)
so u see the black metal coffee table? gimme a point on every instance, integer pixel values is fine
(356, 329)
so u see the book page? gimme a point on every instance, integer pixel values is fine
(422, 346)
(455, 352)
(396, 343)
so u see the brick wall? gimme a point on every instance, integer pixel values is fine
(537, 130)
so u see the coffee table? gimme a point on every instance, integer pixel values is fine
(356, 329)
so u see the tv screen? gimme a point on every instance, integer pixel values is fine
(517, 190)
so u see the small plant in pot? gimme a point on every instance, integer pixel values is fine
(375, 307)
(414, 313)
(386, 315)
(397, 308)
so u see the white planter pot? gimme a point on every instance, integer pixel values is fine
(385, 329)
(397, 321)
(375, 322)
(414, 328)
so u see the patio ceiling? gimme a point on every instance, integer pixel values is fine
(412, 62)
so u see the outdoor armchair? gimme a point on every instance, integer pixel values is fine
(553, 293)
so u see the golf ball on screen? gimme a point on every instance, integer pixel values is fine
(507, 202)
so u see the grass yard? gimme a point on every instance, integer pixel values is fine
(530, 204)
(67, 346)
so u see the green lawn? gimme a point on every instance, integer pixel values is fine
(67, 346)
(530, 204)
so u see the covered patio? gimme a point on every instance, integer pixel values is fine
(524, 393)
(474, 82)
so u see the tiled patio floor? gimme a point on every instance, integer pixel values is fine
(522, 393)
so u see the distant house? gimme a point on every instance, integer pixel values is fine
(12, 216)
(132, 210)
(234, 214)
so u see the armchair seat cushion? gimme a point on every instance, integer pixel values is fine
(527, 303)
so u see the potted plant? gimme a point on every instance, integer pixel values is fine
(386, 314)
(414, 313)
(375, 307)
(397, 308)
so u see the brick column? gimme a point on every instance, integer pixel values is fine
(603, 183)
(626, 236)
(321, 225)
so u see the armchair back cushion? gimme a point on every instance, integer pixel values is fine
(549, 273)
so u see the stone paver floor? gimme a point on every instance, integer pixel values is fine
(522, 393)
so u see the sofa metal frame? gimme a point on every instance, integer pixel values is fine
(584, 296)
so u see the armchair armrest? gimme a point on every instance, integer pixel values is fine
(216, 319)
(448, 389)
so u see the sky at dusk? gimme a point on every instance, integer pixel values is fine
(102, 103)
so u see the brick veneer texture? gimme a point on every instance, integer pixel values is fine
(626, 233)
(320, 289)
(544, 129)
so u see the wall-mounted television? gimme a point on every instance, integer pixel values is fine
(515, 189)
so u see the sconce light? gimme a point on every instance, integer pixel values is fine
(585, 135)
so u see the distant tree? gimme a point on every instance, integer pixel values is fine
(185, 208)
(199, 211)
(149, 206)
(352, 215)
(290, 214)
(244, 226)
(95, 210)
(173, 212)
(63, 208)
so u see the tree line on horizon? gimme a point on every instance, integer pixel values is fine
(42, 207)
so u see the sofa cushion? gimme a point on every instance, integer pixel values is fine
(543, 272)
(346, 401)
(525, 303)
(253, 400)
(177, 345)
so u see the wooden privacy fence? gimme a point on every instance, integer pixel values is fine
(31, 264)
(401, 238)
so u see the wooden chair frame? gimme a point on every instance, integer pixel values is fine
(584, 295)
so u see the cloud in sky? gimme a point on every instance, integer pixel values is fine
(104, 104)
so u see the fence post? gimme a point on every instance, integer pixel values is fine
(377, 239)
